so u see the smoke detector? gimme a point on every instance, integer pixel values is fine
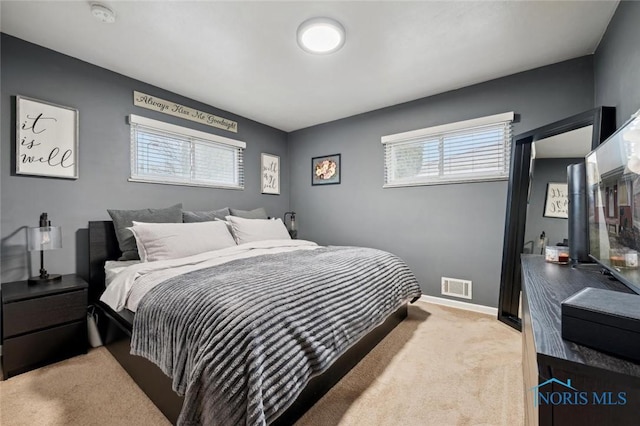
(102, 13)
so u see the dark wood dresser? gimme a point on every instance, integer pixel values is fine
(597, 378)
(42, 323)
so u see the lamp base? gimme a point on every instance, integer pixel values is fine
(38, 280)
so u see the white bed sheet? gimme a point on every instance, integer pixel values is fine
(114, 267)
(129, 285)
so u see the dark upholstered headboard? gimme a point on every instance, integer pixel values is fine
(103, 246)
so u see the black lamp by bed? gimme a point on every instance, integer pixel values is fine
(291, 227)
(44, 237)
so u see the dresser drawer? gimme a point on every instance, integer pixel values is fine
(32, 350)
(33, 314)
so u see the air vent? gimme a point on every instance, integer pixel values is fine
(457, 288)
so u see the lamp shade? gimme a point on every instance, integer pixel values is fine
(45, 238)
(291, 227)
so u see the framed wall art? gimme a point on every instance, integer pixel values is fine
(556, 203)
(270, 174)
(325, 170)
(46, 139)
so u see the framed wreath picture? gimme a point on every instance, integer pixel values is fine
(325, 170)
(270, 174)
(46, 139)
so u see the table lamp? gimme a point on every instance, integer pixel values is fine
(44, 237)
(293, 231)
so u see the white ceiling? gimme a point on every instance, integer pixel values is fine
(573, 144)
(243, 57)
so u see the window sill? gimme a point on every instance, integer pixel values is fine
(444, 182)
(201, 185)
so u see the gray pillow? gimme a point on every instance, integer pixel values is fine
(122, 219)
(205, 216)
(260, 213)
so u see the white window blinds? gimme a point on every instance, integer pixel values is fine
(170, 154)
(467, 151)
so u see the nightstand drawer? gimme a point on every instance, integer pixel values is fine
(33, 314)
(35, 349)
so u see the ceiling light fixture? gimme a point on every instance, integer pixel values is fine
(102, 13)
(321, 35)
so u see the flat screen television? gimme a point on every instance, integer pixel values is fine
(613, 203)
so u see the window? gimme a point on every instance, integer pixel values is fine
(166, 153)
(467, 151)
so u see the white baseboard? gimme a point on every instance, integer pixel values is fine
(460, 305)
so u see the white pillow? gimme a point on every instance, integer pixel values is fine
(164, 241)
(247, 230)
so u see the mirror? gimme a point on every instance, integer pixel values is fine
(546, 222)
(602, 122)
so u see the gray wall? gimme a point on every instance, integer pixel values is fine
(104, 100)
(545, 170)
(617, 62)
(444, 230)
(450, 230)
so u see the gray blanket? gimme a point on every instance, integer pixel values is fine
(242, 339)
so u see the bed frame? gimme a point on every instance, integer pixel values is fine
(115, 330)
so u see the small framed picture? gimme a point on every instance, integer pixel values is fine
(46, 139)
(325, 170)
(556, 203)
(270, 174)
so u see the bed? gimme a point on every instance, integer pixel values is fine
(117, 328)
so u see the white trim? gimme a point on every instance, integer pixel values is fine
(171, 182)
(460, 305)
(446, 182)
(186, 131)
(476, 122)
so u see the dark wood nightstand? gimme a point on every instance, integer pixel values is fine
(43, 323)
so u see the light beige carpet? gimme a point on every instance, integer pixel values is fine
(441, 366)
